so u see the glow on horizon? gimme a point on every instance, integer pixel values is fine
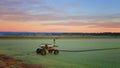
(35, 27)
(60, 16)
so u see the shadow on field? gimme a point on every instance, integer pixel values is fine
(89, 50)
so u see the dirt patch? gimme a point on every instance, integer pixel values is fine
(9, 62)
(30, 66)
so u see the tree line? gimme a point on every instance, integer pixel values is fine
(57, 34)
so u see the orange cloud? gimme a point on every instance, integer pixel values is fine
(33, 27)
(36, 26)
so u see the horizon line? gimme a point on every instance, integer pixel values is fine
(58, 32)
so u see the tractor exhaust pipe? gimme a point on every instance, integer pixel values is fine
(54, 42)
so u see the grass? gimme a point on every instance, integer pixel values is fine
(25, 49)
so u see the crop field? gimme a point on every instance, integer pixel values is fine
(24, 49)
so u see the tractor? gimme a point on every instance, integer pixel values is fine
(47, 48)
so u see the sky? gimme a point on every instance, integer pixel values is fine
(60, 15)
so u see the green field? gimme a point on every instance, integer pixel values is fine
(25, 49)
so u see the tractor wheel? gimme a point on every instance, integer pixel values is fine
(43, 52)
(38, 51)
(56, 52)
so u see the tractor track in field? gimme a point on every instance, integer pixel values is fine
(89, 50)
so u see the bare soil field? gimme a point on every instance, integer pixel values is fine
(8, 62)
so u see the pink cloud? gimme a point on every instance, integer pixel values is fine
(91, 25)
(107, 25)
(9, 3)
(18, 15)
(19, 10)
(69, 24)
